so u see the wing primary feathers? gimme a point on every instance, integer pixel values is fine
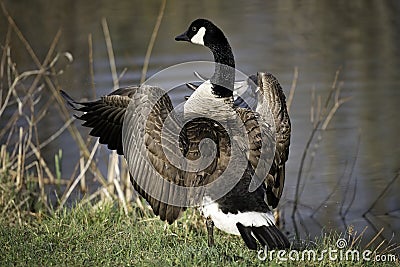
(104, 116)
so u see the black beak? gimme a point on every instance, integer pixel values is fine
(182, 37)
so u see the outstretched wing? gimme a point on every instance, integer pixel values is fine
(146, 142)
(271, 94)
(130, 120)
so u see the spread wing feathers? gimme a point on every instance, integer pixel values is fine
(273, 95)
(262, 150)
(142, 149)
(105, 116)
(145, 142)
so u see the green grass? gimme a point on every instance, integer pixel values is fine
(102, 234)
(88, 236)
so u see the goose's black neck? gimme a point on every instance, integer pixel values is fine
(224, 76)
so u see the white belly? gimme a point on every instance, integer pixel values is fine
(227, 221)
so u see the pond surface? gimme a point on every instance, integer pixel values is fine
(348, 166)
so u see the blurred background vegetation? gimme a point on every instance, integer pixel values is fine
(325, 51)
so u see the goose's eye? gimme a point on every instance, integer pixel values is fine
(194, 28)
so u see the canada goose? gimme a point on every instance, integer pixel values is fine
(240, 211)
(204, 32)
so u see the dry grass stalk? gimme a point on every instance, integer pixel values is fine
(152, 41)
(387, 187)
(20, 160)
(113, 166)
(374, 238)
(111, 171)
(357, 237)
(292, 88)
(110, 52)
(67, 194)
(81, 168)
(91, 68)
(121, 196)
(338, 102)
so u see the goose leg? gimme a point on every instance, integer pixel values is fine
(210, 226)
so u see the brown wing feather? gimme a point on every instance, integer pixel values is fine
(273, 94)
(154, 124)
(106, 116)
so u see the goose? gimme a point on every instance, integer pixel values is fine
(240, 211)
(262, 226)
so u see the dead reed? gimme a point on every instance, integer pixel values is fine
(23, 106)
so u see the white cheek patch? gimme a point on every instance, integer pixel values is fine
(198, 38)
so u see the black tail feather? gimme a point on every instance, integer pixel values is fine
(269, 236)
(248, 238)
(264, 236)
(279, 237)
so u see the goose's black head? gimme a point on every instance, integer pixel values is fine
(203, 32)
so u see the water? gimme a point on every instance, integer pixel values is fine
(355, 158)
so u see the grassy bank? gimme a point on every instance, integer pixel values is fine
(104, 235)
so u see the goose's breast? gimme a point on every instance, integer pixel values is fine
(203, 103)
